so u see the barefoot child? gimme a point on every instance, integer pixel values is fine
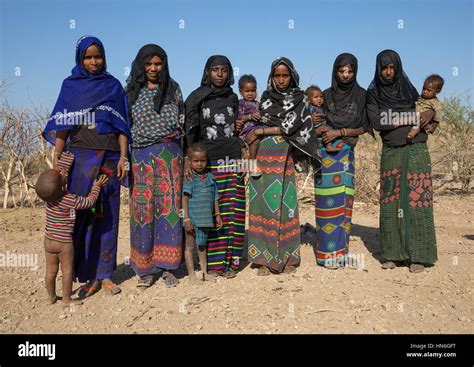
(200, 205)
(250, 116)
(431, 87)
(316, 103)
(61, 208)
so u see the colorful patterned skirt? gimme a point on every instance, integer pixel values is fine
(334, 191)
(225, 245)
(406, 205)
(156, 228)
(95, 230)
(274, 226)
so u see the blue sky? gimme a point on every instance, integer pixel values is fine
(36, 36)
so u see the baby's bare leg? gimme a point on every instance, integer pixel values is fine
(66, 258)
(253, 141)
(413, 132)
(52, 267)
(188, 257)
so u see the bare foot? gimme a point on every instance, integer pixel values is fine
(52, 300)
(209, 277)
(194, 280)
(330, 148)
(70, 302)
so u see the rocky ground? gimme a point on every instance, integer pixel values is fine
(313, 300)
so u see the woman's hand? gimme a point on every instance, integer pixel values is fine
(123, 167)
(426, 117)
(322, 129)
(331, 135)
(258, 132)
(56, 157)
(187, 172)
(188, 227)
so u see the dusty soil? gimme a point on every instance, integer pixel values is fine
(313, 300)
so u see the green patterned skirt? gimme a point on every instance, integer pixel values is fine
(406, 204)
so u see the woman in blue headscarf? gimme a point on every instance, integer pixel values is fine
(90, 119)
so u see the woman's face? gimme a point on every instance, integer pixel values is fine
(282, 77)
(153, 69)
(218, 75)
(388, 72)
(345, 73)
(93, 60)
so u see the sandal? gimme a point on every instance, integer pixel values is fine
(89, 289)
(289, 269)
(263, 271)
(169, 280)
(388, 265)
(416, 268)
(146, 281)
(229, 274)
(111, 288)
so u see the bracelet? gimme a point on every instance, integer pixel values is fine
(215, 215)
(186, 219)
(345, 132)
(124, 158)
(57, 154)
(318, 125)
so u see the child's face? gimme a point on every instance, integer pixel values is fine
(153, 68)
(345, 73)
(249, 91)
(429, 91)
(218, 75)
(198, 161)
(282, 77)
(316, 98)
(93, 60)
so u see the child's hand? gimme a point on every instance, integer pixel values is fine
(218, 221)
(101, 181)
(256, 116)
(188, 227)
(318, 117)
(239, 124)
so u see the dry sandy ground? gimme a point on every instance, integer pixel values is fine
(313, 300)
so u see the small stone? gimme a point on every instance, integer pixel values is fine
(63, 317)
(352, 302)
(462, 319)
(199, 327)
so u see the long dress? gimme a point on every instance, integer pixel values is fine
(334, 192)
(156, 227)
(406, 204)
(274, 226)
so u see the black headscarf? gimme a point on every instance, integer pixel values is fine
(289, 110)
(206, 90)
(137, 77)
(345, 101)
(397, 94)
